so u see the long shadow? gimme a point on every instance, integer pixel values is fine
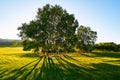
(75, 72)
(70, 58)
(42, 69)
(2, 72)
(16, 73)
(14, 70)
(105, 71)
(61, 68)
(101, 71)
(34, 67)
(49, 71)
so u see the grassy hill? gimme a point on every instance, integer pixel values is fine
(16, 64)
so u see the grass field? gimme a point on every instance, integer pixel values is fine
(16, 64)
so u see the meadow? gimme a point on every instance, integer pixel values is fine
(16, 64)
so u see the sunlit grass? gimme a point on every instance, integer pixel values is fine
(10, 50)
(16, 64)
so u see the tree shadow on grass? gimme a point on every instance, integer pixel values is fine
(61, 68)
(73, 71)
(70, 58)
(105, 71)
(49, 71)
(15, 74)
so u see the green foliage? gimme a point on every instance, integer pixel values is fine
(52, 30)
(14, 43)
(109, 46)
(86, 38)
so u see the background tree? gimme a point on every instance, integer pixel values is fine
(52, 30)
(14, 43)
(118, 47)
(107, 46)
(86, 38)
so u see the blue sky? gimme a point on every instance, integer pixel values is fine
(102, 16)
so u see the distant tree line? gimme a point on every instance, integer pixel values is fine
(9, 43)
(108, 46)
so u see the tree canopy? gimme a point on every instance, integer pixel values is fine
(53, 30)
(86, 38)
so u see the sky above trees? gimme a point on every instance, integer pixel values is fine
(102, 16)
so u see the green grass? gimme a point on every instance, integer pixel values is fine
(16, 64)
